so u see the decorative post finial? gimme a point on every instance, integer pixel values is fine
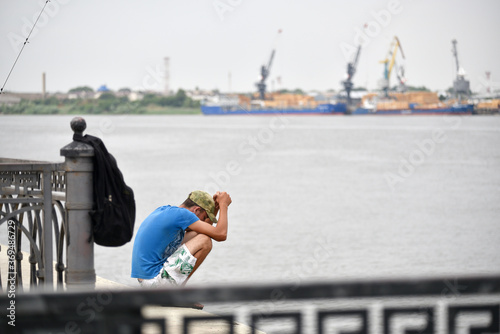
(78, 125)
(77, 148)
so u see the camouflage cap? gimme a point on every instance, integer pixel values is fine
(204, 201)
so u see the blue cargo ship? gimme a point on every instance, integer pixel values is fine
(337, 109)
(410, 103)
(321, 109)
(274, 104)
(458, 109)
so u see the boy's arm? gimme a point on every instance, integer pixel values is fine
(216, 203)
(219, 232)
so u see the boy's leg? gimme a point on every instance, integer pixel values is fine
(199, 245)
(189, 235)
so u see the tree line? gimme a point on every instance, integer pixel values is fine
(107, 103)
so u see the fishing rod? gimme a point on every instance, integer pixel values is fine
(22, 48)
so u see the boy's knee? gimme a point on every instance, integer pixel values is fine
(199, 243)
(206, 242)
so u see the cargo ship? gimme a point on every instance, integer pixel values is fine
(411, 103)
(274, 103)
(408, 103)
(458, 109)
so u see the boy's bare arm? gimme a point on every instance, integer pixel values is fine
(216, 203)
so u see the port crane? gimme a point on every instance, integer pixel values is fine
(460, 85)
(264, 73)
(389, 65)
(351, 69)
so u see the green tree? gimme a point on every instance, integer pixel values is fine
(180, 98)
(107, 96)
(107, 102)
(78, 89)
(149, 99)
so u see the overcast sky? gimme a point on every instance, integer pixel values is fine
(122, 43)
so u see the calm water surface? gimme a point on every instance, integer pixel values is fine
(314, 198)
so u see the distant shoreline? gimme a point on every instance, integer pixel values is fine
(144, 111)
(101, 103)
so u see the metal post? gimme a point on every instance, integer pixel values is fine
(79, 166)
(47, 230)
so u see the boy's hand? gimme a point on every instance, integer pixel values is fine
(216, 202)
(222, 199)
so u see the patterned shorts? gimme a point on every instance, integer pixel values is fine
(175, 270)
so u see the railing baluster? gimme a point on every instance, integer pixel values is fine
(47, 230)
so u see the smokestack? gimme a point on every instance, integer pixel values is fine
(488, 80)
(167, 75)
(43, 86)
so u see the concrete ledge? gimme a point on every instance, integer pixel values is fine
(173, 315)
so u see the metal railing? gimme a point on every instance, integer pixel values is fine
(428, 305)
(32, 196)
(44, 208)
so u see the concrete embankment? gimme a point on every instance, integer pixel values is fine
(173, 315)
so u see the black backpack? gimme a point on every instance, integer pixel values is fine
(114, 215)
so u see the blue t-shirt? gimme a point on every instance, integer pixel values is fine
(159, 235)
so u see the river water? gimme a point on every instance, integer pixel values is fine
(314, 197)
